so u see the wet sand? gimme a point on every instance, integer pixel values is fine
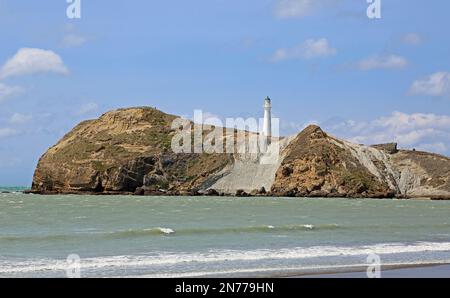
(430, 271)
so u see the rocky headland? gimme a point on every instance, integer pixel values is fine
(128, 151)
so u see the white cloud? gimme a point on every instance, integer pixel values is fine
(72, 40)
(18, 118)
(300, 8)
(429, 132)
(435, 147)
(7, 132)
(383, 62)
(317, 48)
(311, 48)
(436, 84)
(9, 91)
(294, 8)
(30, 61)
(87, 108)
(412, 39)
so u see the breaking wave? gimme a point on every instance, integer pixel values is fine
(151, 262)
(226, 230)
(165, 231)
(138, 232)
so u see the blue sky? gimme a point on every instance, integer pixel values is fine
(320, 61)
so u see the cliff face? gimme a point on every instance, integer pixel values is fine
(122, 151)
(316, 164)
(128, 151)
(422, 174)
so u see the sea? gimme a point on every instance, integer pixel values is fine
(133, 236)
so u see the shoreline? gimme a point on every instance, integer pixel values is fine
(439, 270)
(426, 270)
(215, 194)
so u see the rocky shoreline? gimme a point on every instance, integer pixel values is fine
(239, 193)
(127, 151)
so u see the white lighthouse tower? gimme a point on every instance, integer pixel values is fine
(267, 128)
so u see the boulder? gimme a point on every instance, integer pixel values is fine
(241, 193)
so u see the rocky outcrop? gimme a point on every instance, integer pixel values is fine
(120, 152)
(318, 165)
(128, 151)
(422, 174)
(390, 148)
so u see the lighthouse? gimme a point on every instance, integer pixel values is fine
(267, 128)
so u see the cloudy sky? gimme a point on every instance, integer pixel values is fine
(321, 61)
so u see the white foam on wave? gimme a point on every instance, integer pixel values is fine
(166, 230)
(299, 253)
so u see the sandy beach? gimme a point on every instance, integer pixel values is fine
(427, 271)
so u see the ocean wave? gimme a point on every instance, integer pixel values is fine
(217, 256)
(32, 238)
(93, 234)
(137, 232)
(7, 189)
(165, 231)
(187, 231)
(265, 228)
(223, 230)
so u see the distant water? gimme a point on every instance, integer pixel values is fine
(12, 188)
(214, 236)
